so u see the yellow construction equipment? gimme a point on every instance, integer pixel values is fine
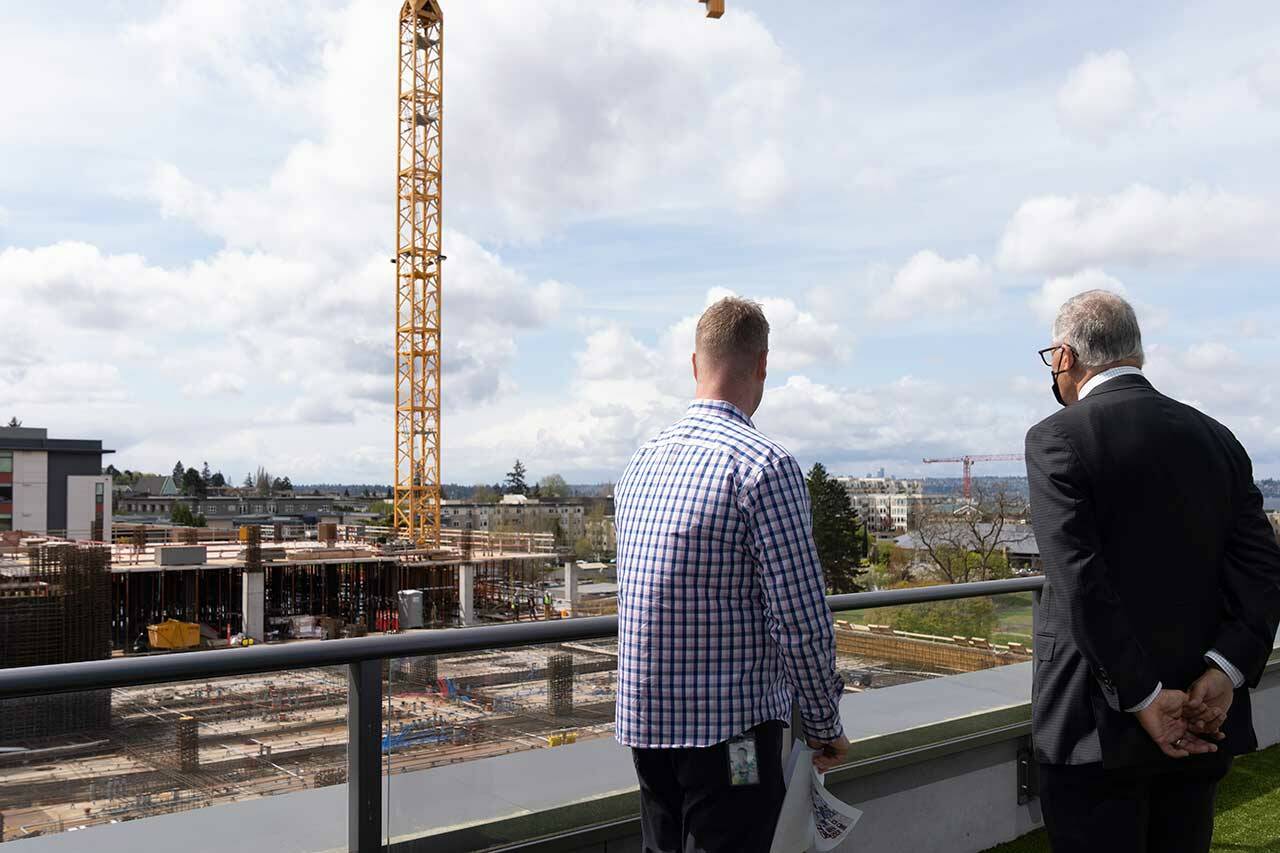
(418, 259)
(173, 634)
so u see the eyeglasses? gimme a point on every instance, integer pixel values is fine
(1046, 354)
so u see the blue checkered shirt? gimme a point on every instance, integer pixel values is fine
(721, 612)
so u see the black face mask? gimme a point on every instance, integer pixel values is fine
(1057, 395)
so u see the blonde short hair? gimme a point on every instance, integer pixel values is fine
(732, 331)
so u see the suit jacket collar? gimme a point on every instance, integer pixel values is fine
(1120, 383)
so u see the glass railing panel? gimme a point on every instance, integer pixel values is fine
(78, 761)
(495, 745)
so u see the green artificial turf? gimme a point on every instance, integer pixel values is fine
(1248, 809)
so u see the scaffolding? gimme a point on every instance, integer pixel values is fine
(56, 611)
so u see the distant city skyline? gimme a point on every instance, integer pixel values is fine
(910, 190)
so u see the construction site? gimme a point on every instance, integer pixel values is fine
(90, 758)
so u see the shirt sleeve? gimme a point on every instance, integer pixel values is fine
(1146, 703)
(795, 605)
(1232, 672)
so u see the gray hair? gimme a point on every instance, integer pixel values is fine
(732, 330)
(1100, 327)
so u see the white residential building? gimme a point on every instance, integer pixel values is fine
(884, 503)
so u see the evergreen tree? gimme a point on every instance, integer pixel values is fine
(217, 480)
(835, 532)
(515, 483)
(193, 484)
(178, 470)
(14, 423)
(285, 485)
(205, 474)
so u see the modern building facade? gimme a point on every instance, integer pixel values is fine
(884, 503)
(50, 485)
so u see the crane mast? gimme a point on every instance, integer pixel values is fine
(418, 259)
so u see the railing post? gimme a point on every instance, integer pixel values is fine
(364, 756)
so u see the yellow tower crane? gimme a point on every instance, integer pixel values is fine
(418, 258)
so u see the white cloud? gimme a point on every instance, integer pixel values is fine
(1265, 80)
(218, 383)
(929, 284)
(1210, 356)
(1046, 302)
(1062, 234)
(1099, 96)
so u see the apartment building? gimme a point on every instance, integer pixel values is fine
(884, 503)
(517, 512)
(50, 485)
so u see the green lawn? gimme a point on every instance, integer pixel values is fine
(1248, 809)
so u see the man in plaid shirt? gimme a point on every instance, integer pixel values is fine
(722, 619)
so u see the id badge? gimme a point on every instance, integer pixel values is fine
(744, 769)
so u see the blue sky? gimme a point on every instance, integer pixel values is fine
(196, 213)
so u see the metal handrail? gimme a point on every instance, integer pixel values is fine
(162, 669)
(363, 656)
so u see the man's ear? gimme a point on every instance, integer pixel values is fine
(694, 358)
(763, 367)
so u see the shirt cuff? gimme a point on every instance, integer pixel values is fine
(1236, 676)
(1146, 703)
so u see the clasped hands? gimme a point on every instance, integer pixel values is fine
(1184, 723)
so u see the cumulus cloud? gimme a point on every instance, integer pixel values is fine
(1210, 356)
(930, 284)
(1265, 80)
(1099, 96)
(1063, 234)
(1046, 302)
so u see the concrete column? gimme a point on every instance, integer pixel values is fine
(253, 605)
(571, 586)
(467, 594)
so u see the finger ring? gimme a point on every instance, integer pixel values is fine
(1178, 743)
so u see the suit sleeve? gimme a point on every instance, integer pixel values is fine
(796, 611)
(1250, 581)
(1063, 515)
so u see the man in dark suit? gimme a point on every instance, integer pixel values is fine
(1161, 600)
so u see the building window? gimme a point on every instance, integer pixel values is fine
(6, 461)
(6, 522)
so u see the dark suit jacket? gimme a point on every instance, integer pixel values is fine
(1156, 549)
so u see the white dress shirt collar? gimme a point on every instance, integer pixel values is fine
(1107, 376)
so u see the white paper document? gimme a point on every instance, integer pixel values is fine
(811, 818)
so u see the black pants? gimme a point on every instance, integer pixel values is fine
(688, 806)
(1169, 809)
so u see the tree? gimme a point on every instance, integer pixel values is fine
(515, 483)
(178, 470)
(193, 484)
(14, 423)
(968, 544)
(205, 474)
(483, 494)
(835, 532)
(181, 514)
(248, 481)
(970, 617)
(111, 471)
(263, 482)
(553, 486)
(217, 480)
(285, 485)
(346, 493)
